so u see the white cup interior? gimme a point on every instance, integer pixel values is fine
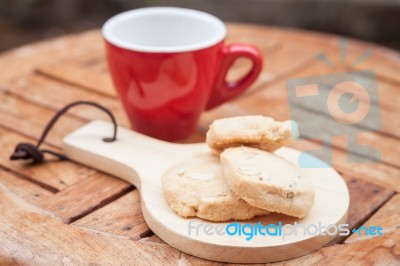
(164, 29)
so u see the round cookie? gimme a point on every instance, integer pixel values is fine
(256, 131)
(267, 181)
(197, 188)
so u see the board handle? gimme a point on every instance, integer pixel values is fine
(133, 157)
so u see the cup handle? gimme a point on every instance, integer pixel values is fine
(223, 90)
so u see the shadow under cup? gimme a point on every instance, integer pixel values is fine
(169, 64)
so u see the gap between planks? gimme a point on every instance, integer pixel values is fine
(29, 179)
(386, 216)
(105, 189)
(25, 189)
(306, 64)
(286, 75)
(86, 197)
(66, 216)
(393, 164)
(371, 199)
(214, 117)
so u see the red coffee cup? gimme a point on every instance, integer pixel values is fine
(170, 64)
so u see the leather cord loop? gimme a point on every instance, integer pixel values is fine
(27, 151)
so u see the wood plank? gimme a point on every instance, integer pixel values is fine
(26, 58)
(266, 45)
(266, 103)
(24, 189)
(386, 67)
(120, 218)
(28, 225)
(382, 173)
(274, 96)
(388, 100)
(81, 76)
(91, 59)
(365, 199)
(389, 148)
(53, 175)
(377, 173)
(30, 120)
(286, 58)
(269, 103)
(90, 71)
(388, 217)
(384, 60)
(187, 260)
(277, 91)
(272, 100)
(85, 196)
(41, 90)
(153, 239)
(278, 63)
(258, 103)
(377, 251)
(31, 237)
(388, 97)
(90, 79)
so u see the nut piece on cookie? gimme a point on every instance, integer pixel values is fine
(267, 181)
(197, 188)
(255, 131)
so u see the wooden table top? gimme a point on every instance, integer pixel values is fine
(67, 213)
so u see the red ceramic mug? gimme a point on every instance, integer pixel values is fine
(170, 64)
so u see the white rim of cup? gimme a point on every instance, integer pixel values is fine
(110, 37)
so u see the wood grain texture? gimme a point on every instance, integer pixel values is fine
(385, 61)
(275, 103)
(377, 173)
(385, 71)
(54, 175)
(27, 58)
(87, 72)
(386, 101)
(81, 72)
(120, 218)
(263, 103)
(39, 90)
(377, 251)
(365, 200)
(387, 90)
(265, 45)
(22, 242)
(153, 239)
(285, 60)
(272, 101)
(78, 75)
(85, 196)
(29, 119)
(24, 189)
(388, 217)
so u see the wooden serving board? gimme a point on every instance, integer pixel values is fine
(142, 161)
